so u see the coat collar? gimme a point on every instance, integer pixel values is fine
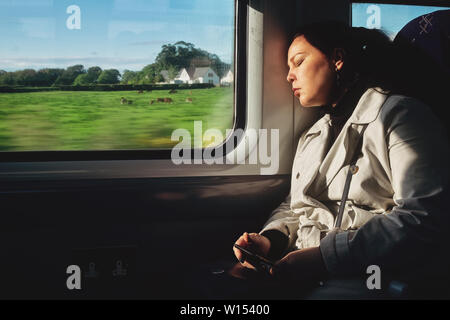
(319, 125)
(366, 111)
(368, 106)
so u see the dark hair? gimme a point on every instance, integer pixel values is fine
(370, 56)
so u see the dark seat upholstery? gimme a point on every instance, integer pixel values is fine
(424, 43)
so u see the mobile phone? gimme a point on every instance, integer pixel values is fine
(259, 262)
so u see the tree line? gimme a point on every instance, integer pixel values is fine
(74, 75)
(171, 58)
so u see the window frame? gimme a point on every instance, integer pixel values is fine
(239, 114)
(428, 3)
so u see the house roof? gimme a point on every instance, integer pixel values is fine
(180, 72)
(228, 75)
(195, 73)
(190, 71)
(228, 72)
(201, 72)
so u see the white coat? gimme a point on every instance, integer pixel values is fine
(395, 198)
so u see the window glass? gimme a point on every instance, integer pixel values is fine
(390, 18)
(113, 74)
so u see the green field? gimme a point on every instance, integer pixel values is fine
(84, 120)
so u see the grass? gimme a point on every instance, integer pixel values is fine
(84, 120)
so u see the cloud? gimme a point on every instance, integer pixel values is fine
(104, 62)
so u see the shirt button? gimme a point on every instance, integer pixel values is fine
(298, 175)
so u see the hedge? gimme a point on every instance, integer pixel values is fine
(108, 87)
(13, 89)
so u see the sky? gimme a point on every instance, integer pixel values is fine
(392, 17)
(128, 34)
(120, 34)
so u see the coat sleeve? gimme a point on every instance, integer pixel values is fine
(413, 231)
(283, 219)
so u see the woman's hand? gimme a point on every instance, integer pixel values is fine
(304, 266)
(254, 242)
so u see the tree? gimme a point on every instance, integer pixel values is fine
(158, 78)
(110, 76)
(7, 79)
(148, 73)
(130, 77)
(47, 77)
(94, 72)
(167, 57)
(185, 55)
(172, 72)
(82, 80)
(70, 74)
(88, 78)
(26, 77)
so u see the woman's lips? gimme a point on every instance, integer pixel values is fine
(296, 91)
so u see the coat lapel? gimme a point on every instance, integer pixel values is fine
(339, 155)
(308, 160)
(343, 149)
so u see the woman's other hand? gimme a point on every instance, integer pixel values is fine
(304, 266)
(253, 242)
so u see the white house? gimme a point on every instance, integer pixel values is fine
(205, 75)
(228, 79)
(197, 75)
(182, 77)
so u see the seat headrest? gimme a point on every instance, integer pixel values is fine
(431, 34)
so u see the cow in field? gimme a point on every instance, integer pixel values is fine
(165, 100)
(123, 101)
(188, 99)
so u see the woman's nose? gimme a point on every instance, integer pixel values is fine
(290, 77)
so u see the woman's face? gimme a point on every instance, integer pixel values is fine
(311, 74)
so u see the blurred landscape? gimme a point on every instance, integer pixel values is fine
(75, 108)
(92, 120)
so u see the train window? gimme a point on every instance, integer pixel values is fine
(390, 18)
(113, 75)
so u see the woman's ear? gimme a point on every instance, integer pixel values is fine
(338, 58)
